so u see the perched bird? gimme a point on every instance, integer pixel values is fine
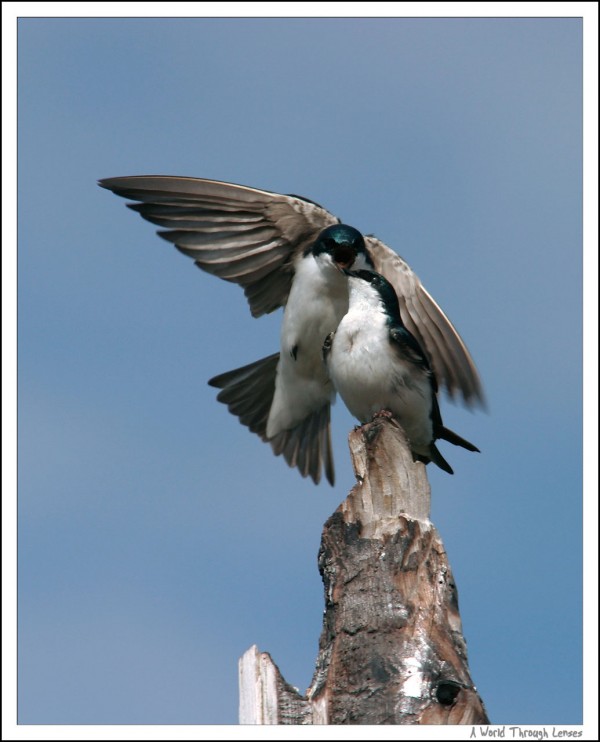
(376, 365)
(287, 251)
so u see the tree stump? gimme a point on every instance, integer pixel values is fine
(391, 650)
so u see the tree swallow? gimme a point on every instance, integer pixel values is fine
(376, 365)
(287, 251)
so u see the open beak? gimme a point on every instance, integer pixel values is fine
(344, 256)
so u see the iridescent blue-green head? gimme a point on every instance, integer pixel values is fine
(344, 244)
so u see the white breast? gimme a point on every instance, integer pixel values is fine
(370, 376)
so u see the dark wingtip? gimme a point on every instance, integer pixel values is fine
(439, 460)
(449, 435)
(107, 183)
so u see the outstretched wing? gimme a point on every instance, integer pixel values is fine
(253, 238)
(241, 234)
(447, 353)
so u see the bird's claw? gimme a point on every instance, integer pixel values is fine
(383, 413)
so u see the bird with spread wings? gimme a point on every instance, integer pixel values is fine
(264, 242)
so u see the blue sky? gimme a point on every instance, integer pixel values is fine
(158, 538)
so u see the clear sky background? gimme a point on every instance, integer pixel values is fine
(158, 538)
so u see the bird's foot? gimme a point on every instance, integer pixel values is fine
(383, 413)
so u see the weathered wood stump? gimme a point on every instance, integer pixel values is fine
(391, 650)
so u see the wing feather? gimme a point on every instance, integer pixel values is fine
(248, 393)
(254, 238)
(204, 217)
(447, 353)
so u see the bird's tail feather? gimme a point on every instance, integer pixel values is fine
(307, 447)
(248, 392)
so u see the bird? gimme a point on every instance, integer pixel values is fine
(288, 251)
(378, 368)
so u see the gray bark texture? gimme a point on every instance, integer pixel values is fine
(391, 650)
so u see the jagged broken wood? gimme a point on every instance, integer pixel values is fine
(391, 650)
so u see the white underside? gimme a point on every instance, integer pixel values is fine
(317, 302)
(370, 376)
